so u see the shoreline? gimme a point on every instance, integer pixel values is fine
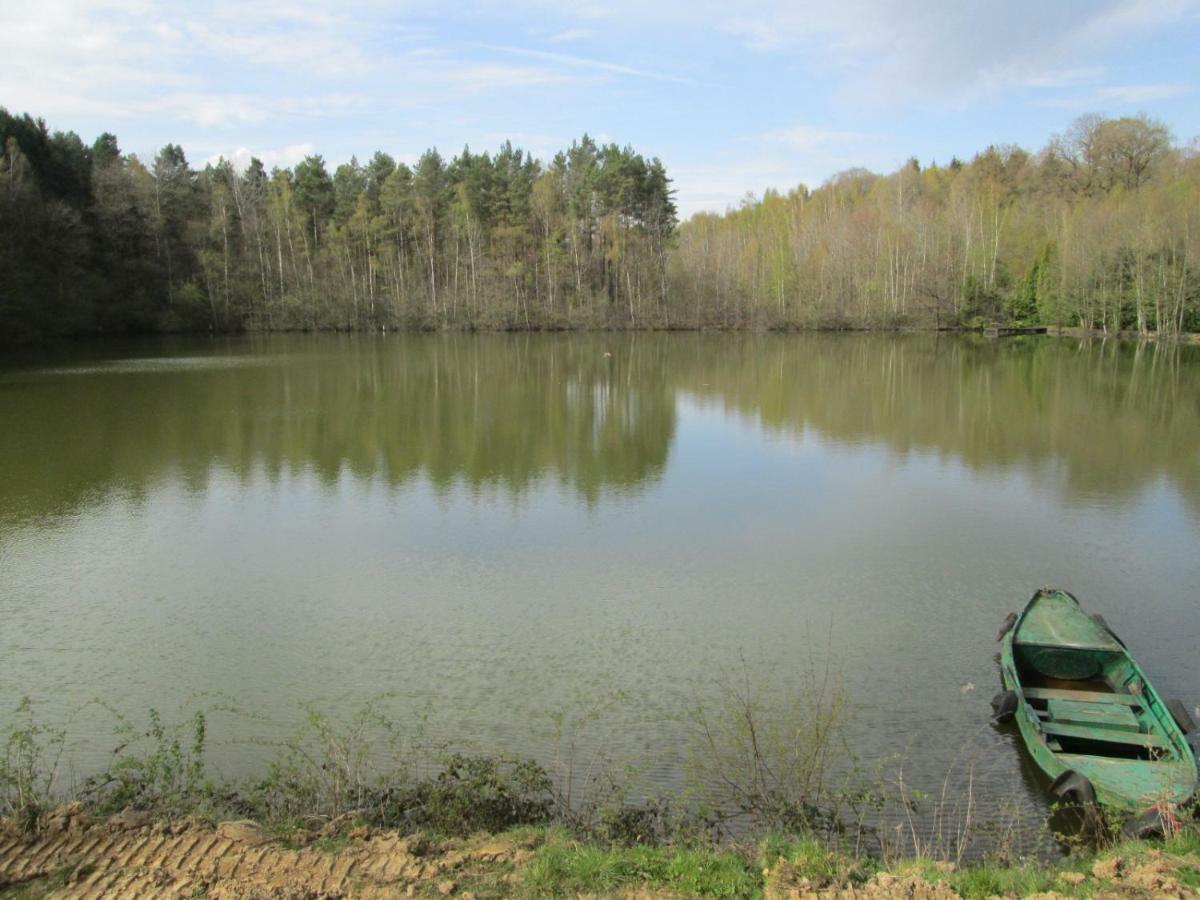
(93, 340)
(135, 854)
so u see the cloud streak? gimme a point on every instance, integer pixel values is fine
(809, 137)
(580, 62)
(1120, 95)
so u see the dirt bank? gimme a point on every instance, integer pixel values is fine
(129, 856)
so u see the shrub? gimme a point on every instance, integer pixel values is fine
(28, 767)
(472, 793)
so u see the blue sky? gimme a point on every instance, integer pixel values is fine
(734, 97)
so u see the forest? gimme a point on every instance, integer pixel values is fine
(1099, 229)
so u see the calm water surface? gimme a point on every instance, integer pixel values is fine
(496, 530)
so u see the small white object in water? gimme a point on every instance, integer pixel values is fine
(966, 688)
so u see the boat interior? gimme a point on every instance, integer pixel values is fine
(1090, 702)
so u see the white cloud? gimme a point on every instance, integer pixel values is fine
(800, 154)
(1057, 78)
(1141, 93)
(885, 51)
(1117, 95)
(585, 63)
(809, 137)
(327, 52)
(570, 34)
(284, 157)
(715, 187)
(541, 146)
(478, 77)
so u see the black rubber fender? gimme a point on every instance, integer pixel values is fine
(1181, 716)
(1099, 620)
(1072, 786)
(1006, 625)
(1150, 824)
(1004, 706)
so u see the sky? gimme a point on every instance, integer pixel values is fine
(734, 97)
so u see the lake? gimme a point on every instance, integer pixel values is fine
(525, 543)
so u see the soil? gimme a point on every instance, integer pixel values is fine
(130, 857)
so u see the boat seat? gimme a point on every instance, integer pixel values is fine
(1102, 734)
(1036, 693)
(1104, 715)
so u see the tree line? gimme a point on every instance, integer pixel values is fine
(96, 240)
(1101, 228)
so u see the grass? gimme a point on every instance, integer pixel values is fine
(989, 880)
(325, 783)
(40, 887)
(812, 860)
(561, 864)
(334, 843)
(564, 867)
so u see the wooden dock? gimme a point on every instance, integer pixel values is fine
(996, 331)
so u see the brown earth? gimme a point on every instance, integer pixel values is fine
(1153, 875)
(130, 857)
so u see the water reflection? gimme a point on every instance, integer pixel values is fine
(1113, 416)
(502, 412)
(593, 413)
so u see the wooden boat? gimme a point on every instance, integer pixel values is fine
(1087, 713)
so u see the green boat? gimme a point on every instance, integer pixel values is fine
(1089, 717)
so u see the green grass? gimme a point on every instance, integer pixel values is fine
(811, 859)
(37, 887)
(984, 880)
(562, 865)
(561, 868)
(1189, 876)
(334, 843)
(1185, 843)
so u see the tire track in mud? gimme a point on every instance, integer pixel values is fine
(230, 861)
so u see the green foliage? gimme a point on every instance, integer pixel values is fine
(362, 765)
(95, 240)
(813, 860)
(331, 766)
(980, 303)
(45, 886)
(160, 770)
(984, 880)
(767, 753)
(472, 793)
(561, 870)
(28, 766)
(931, 246)
(1032, 295)
(609, 815)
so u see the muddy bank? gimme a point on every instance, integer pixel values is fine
(131, 856)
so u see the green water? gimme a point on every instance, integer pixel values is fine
(492, 530)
